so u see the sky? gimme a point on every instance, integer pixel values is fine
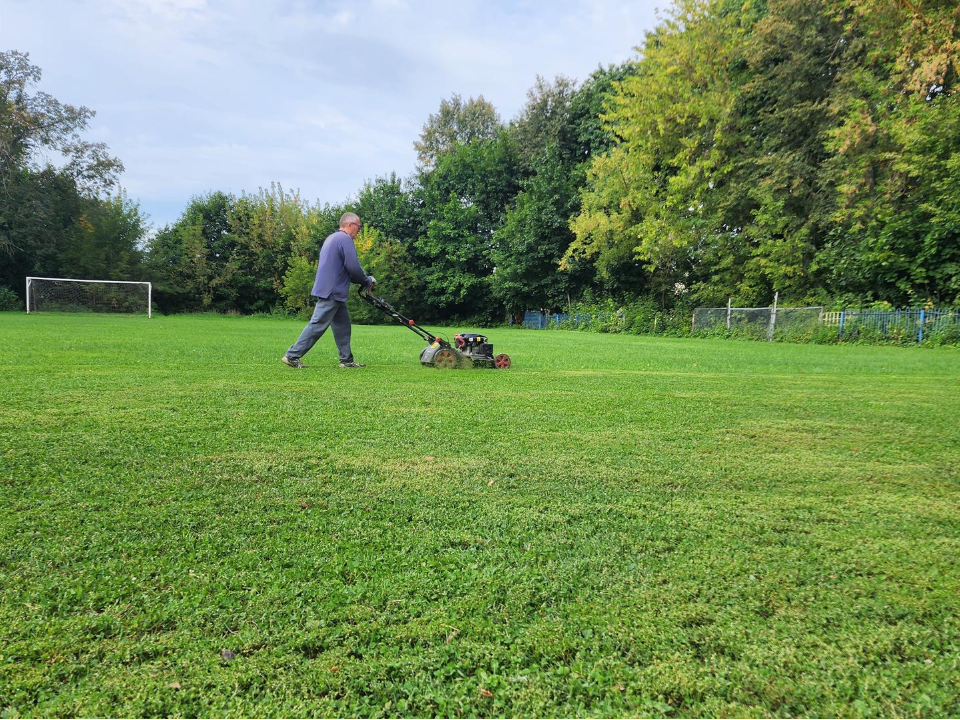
(318, 96)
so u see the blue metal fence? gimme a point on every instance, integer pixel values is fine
(536, 320)
(907, 324)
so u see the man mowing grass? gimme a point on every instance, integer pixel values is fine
(338, 265)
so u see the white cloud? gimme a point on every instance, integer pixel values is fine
(169, 9)
(197, 95)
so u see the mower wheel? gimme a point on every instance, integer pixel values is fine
(445, 359)
(501, 361)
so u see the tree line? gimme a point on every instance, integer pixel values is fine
(806, 147)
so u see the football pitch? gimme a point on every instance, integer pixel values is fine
(615, 526)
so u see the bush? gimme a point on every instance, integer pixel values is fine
(949, 336)
(643, 316)
(823, 335)
(297, 284)
(9, 300)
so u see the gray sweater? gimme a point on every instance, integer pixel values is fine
(338, 265)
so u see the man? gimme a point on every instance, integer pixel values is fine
(338, 265)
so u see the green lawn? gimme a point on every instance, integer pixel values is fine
(616, 526)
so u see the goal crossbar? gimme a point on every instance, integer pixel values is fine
(31, 278)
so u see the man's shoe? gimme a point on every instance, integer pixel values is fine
(292, 362)
(351, 364)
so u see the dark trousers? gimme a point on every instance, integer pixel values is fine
(328, 313)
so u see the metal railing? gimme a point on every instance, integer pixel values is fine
(903, 324)
(893, 323)
(536, 320)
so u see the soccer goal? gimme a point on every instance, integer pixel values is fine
(758, 322)
(72, 295)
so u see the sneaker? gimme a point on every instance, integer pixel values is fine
(351, 364)
(292, 362)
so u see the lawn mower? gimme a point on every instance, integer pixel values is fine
(468, 350)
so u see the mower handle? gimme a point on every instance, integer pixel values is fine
(366, 294)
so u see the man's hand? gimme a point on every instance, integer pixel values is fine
(371, 281)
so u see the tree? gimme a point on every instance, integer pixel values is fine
(30, 123)
(385, 204)
(775, 191)
(542, 122)
(105, 241)
(192, 263)
(558, 131)
(34, 122)
(586, 135)
(43, 208)
(894, 146)
(535, 234)
(456, 123)
(463, 201)
(37, 212)
(268, 227)
(793, 146)
(651, 197)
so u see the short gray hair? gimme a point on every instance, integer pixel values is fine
(348, 218)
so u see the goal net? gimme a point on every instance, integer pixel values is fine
(794, 322)
(759, 323)
(71, 295)
(748, 322)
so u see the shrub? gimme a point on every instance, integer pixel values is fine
(9, 300)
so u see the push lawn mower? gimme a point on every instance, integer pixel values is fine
(468, 350)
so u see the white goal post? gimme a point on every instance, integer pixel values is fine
(71, 294)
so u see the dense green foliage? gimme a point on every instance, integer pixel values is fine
(809, 148)
(781, 146)
(616, 526)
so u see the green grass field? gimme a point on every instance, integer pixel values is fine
(616, 526)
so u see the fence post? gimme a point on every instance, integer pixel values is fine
(773, 317)
(920, 333)
(729, 303)
(843, 314)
